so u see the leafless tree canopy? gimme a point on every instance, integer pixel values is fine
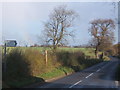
(102, 31)
(57, 27)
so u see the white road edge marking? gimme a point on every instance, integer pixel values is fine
(75, 84)
(98, 70)
(89, 75)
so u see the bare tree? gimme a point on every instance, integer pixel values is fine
(57, 28)
(102, 32)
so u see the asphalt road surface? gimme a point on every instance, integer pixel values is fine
(98, 76)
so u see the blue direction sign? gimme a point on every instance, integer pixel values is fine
(11, 43)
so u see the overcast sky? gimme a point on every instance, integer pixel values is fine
(23, 21)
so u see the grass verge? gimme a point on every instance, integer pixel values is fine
(59, 71)
(21, 82)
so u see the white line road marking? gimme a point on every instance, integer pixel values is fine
(89, 75)
(75, 84)
(98, 70)
(85, 77)
(80, 81)
(117, 83)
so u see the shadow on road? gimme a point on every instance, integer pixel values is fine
(61, 86)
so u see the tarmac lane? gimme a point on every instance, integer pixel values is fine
(98, 76)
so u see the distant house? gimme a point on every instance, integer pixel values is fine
(11, 43)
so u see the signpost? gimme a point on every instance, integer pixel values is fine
(4, 57)
(8, 43)
(11, 43)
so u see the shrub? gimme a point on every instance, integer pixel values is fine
(36, 61)
(28, 62)
(16, 65)
(106, 58)
(24, 65)
(76, 60)
(70, 59)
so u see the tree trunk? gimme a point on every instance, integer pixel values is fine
(54, 48)
(96, 52)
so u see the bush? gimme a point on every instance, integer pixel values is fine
(106, 58)
(29, 62)
(69, 58)
(16, 65)
(25, 64)
(36, 61)
(76, 60)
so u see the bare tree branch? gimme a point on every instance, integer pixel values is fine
(60, 20)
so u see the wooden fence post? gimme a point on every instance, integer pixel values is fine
(46, 59)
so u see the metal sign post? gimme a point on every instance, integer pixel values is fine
(8, 43)
(4, 57)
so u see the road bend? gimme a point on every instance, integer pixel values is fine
(98, 76)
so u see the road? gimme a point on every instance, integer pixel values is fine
(98, 76)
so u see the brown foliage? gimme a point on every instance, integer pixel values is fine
(102, 31)
(116, 48)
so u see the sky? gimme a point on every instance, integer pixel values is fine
(23, 21)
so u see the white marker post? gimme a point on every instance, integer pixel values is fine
(46, 57)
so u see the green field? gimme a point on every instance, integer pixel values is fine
(89, 52)
(86, 51)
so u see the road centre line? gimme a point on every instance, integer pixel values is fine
(80, 81)
(85, 77)
(75, 84)
(89, 75)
